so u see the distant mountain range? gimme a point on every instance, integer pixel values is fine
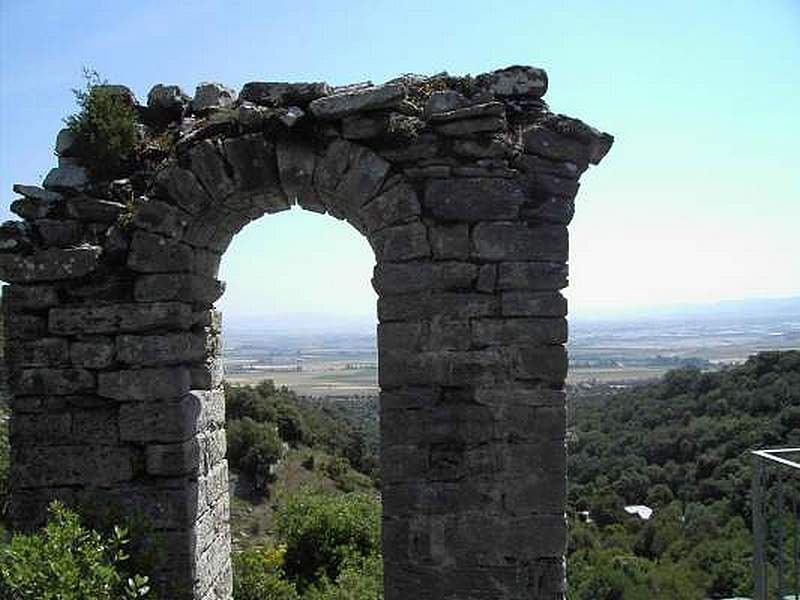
(729, 310)
(747, 309)
(299, 324)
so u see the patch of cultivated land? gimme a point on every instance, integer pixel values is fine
(321, 379)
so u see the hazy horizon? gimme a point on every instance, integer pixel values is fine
(322, 322)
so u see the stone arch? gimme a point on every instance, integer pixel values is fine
(463, 187)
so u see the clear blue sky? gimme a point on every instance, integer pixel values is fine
(699, 200)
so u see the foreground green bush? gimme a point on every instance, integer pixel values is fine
(324, 534)
(65, 561)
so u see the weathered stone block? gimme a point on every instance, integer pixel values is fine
(401, 242)
(517, 496)
(164, 349)
(553, 209)
(53, 264)
(396, 205)
(24, 327)
(399, 278)
(443, 101)
(498, 332)
(86, 208)
(362, 180)
(43, 352)
(206, 262)
(425, 146)
(29, 297)
(296, 164)
(209, 167)
(533, 304)
(450, 241)
(43, 429)
(183, 188)
(409, 398)
(97, 426)
(144, 384)
(548, 144)
(450, 305)
(524, 394)
(542, 363)
(448, 368)
(512, 241)
(33, 208)
(532, 276)
(473, 199)
(159, 217)
(173, 459)
(493, 147)
(37, 466)
(165, 507)
(52, 382)
(178, 286)
(58, 233)
(254, 165)
(152, 253)
(168, 98)
(119, 318)
(437, 334)
(469, 127)
(210, 95)
(487, 279)
(68, 177)
(337, 106)
(364, 126)
(35, 192)
(282, 93)
(515, 81)
(488, 539)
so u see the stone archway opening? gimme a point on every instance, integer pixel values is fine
(464, 188)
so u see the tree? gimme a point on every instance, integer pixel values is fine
(253, 449)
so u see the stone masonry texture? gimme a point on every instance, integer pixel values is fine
(464, 187)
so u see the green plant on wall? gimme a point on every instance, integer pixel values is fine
(104, 127)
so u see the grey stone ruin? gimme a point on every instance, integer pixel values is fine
(464, 188)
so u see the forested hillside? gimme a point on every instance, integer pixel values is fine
(305, 509)
(679, 446)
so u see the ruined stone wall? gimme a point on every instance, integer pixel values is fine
(464, 188)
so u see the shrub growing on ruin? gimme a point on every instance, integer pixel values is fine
(104, 127)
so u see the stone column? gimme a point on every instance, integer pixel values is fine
(472, 367)
(116, 411)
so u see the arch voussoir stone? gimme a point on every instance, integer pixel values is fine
(464, 188)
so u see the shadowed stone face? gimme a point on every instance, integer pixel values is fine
(464, 189)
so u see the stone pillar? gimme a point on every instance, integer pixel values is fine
(472, 366)
(116, 411)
